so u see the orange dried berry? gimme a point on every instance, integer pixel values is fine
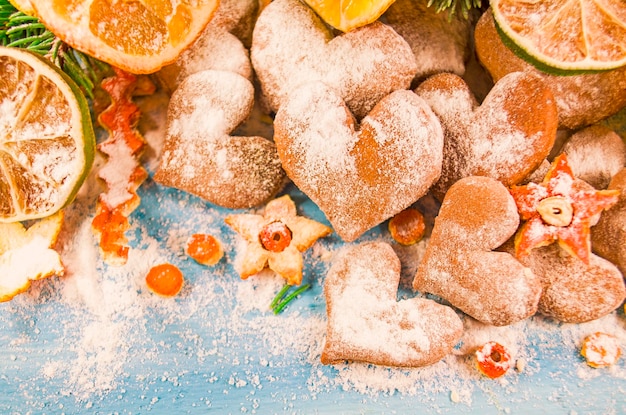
(165, 280)
(407, 227)
(204, 248)
(600, 350)
(275, 236)
(493, 359)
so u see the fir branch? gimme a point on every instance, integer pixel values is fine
(282, 300)
(20, 30)
(460, 7)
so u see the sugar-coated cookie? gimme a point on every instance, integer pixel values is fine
(199, 156)
(572, 291)
(237, 17)
(366, 323)
(440, 42)
(215, 49)
(595, 154)
(358, 174)
(292, 46)
(501, 138)
(608, 237)
(581, 99)
(477, 215)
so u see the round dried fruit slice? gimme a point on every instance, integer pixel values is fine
(562, 35)
(139, 36)
(348, 15)
(47, 140)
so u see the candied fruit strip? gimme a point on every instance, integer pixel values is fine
(122, 173)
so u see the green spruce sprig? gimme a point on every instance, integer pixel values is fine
(282, 299)
(20, 30)
(460, 7)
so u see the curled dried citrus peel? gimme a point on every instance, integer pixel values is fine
(26, 255)
(122, 173)
(558, 210)
(277, 239)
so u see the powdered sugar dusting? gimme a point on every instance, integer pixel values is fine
(292, 46)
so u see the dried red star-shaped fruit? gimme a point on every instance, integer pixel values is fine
(277, 239)
(559, 209)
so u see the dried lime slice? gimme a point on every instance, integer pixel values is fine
(47, 140)
(564, 36)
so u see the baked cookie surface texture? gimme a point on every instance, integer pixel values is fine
(358, 175)
(292, 46)
(365, 321)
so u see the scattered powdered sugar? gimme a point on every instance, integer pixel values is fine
(98, 338)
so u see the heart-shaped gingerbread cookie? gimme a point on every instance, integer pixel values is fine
(477, 215)
(358, 177)
(365, 321)
(574, 292)
(199, 156)
(291, 45)
(500, 138)
(609, 234)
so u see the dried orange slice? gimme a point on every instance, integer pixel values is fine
(47, 140)
(139, 36)
(564, 35)
(26, 254)
(348, 15)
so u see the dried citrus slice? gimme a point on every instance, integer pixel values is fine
(47, 140)
(348, 15)
(564, 35)
(139, 36)
(26, 254)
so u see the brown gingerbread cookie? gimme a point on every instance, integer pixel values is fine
(500, 138)
(572, 291)
(291, 45)
(238, 17)
(215, 49)
(199, 154)
(581, 99)
(608, 237)
(365, 321)
(595, 154)
(460, 265)
(439, 41)
(358, 174)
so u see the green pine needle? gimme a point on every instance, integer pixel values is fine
(282, 299)
(460, 7)
(20, 30)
